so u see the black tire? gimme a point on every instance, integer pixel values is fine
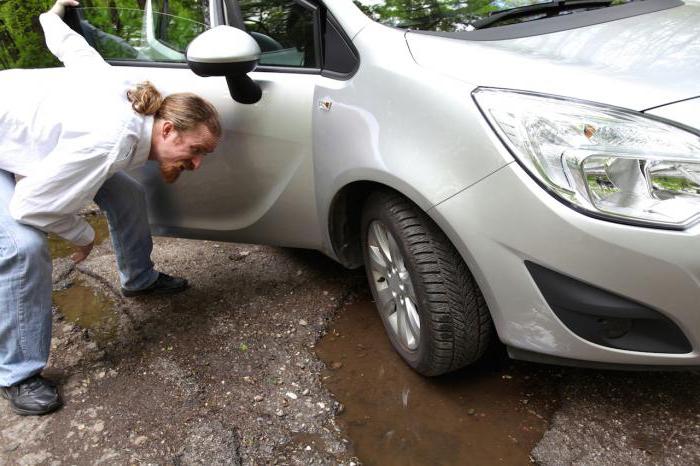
(455, 324)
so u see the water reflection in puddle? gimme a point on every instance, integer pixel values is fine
(395, 416)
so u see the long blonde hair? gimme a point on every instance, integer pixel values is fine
(185, 110)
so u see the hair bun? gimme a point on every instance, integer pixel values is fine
(145, 99)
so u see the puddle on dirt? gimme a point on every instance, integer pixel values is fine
(62, 248)
(393, 415)
(79, 303)
(88, 308)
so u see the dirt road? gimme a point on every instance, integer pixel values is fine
(228, 373)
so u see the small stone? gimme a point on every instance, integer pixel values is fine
(471, 411)
(303, 323)
(506, 377)
(99, 426)
(291, 395)
(140, 440)
(279, 413)
(340, 409)
(308, 448)
(306, 392)
(258, 398)
(247, 379)
(325, 293)
(336, 365)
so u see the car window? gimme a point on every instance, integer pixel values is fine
(150, 30)
(285, 31)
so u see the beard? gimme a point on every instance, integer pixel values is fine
(170, 171)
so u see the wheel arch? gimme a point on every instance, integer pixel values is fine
(344, 214)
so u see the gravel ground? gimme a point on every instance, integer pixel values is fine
(612, 418)
(224, 373)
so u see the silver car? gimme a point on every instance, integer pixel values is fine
(521, 171)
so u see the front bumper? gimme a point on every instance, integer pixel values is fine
(507, 219)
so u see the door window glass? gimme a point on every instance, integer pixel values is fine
(284, 30)
(143, 30)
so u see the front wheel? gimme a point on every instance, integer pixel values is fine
(430, 304)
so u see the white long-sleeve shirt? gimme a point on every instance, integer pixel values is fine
(65, 132)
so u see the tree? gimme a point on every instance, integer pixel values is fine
(21, 38)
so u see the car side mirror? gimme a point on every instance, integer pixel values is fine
(230, 52)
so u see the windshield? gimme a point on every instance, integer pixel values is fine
(467, 15)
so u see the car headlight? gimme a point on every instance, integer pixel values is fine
(610, 162)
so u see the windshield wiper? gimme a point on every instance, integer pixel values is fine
(548, 9)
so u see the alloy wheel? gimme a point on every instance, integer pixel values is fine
(396, 298)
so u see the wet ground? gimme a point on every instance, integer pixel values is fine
(237, 370)
(493, 414)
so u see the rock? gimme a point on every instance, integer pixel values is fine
(258, 398)
(279, 413)
(336, 365)
(291, 395)
(306, 392)
(140, 440)
(303, 323)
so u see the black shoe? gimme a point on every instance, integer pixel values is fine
(32, 396)
(164, 284)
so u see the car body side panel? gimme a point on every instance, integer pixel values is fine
(259, 178)
(400, 125)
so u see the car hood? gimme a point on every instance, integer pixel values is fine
(638, 62)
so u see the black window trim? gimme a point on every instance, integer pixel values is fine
(328, 17)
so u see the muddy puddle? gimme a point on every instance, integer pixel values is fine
(493, 414)
(80, 303)
(62, 248)
(83, 306)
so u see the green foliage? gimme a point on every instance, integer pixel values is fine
(21, 38)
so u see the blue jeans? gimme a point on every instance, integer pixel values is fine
(25, 271)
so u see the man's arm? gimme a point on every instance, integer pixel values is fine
(65, 181)
(67, 45)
